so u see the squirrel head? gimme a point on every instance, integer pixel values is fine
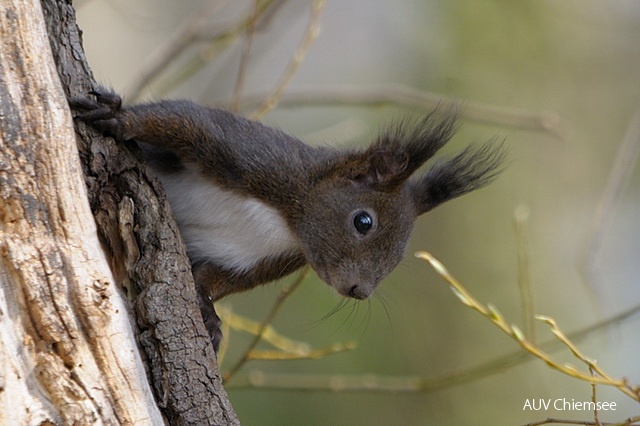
(358, 215)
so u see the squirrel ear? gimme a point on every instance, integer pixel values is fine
(472, 169)
(380, 168)
(402, 149)
(411, 145)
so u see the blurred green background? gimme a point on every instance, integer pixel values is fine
(576, 60)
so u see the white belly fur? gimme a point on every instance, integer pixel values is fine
(219, 225)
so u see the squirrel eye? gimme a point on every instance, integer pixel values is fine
(363, 222)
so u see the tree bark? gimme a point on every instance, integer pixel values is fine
(69, 355)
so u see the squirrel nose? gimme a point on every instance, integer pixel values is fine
(358, 292)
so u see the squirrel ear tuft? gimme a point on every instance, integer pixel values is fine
(400, 150)
(472, 169)
(416, 142)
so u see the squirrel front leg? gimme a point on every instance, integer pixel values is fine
(161, 126)
(181, 127)
(220, 144)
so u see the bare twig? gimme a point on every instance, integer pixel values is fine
(594, 399)
(309, 354)
(626, 159)
(224, 311)
(191, 32)
(244, 58)
(332, 383)
(632, 421)
(286, 348)
(491, 313)
(520, 218)
(593, 366)
(313, 29)
(416, 384)
(267, 333)
(180, 40)
(406, 97)
(282, 297)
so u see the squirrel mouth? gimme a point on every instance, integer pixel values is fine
(345, 284)
(346, 278)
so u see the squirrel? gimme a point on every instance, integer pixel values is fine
(254, 204)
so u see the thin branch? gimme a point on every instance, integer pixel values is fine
(520, 218)
(190, 33)
(225, 312)
(174, 46)
(623, 165)
(313, 29)
(268, 334)
(323, 382)
(594, 399)
(406, 97)
(308, 354)
(282, 297)
(631, 421)
(287, 348)
(361, 383)
(593, 366)
(244, 58)
(491, 313)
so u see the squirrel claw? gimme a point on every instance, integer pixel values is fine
(107, 98)
(99, 113)
(211, 321)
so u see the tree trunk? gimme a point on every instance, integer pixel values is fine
(67, 347)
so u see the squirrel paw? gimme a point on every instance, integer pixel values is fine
(100, 113)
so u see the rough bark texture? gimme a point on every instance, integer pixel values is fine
(57, 296)
(67, 350)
